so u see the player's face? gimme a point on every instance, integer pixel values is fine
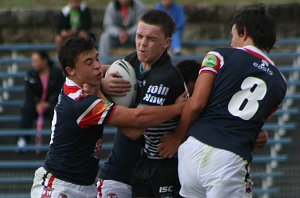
(150, 43)
(87, 69)
(236, 39)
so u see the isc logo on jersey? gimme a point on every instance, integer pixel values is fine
(164, 189)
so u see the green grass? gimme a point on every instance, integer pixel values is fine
(102, 3)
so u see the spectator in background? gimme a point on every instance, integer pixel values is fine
(177, 13)
(74, 18)
(189, 70)
(42, 85)
(119, 25)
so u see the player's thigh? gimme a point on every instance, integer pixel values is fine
(189, 156)
(140, 180)
(230, 176)
(165, 180)
(113, 189)
(45, 184)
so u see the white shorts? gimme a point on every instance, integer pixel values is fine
(47, 186)
(113, 189)
(208, 172)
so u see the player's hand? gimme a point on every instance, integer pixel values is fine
(261, 139)
(182, 98)
(169, 145)
(115, 85)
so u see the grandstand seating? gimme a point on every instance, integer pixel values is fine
(12, 71)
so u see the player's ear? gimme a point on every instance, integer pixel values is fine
(168, 42)
(70, 71)
(245, 34)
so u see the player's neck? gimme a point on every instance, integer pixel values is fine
(146, 67)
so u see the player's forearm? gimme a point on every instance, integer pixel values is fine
(188, 116)
(153, 115)
(144, 117)
(132, 133)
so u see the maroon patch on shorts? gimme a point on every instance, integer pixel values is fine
(62, 195)
(112, 195)
(47, 192)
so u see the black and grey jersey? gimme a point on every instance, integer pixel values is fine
(161, 85)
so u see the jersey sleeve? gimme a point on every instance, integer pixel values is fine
(212, 62)
(95, 112)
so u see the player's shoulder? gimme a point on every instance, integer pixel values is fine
(132, 59)
(225, 51)
(220, 54)
(168, 71)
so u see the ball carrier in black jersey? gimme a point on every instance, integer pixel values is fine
(159, 83)
(71, 165)
(237, 90)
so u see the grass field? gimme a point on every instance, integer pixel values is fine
(101, 3)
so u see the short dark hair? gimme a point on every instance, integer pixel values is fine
(160, 18)
(71, 48)
(189, 70)
(259, 25)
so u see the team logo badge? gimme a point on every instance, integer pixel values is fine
(210, 61)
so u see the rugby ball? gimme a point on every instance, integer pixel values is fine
(127, 72)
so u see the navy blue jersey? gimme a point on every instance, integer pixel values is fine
(247, 89)
(122, 159)
(76, 138)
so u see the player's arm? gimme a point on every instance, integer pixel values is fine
(190, 113)
(210, 66)
(142, 117)
(261, 139)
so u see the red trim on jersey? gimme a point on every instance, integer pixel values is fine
(216, 68)
(50, 182)
(73, 89)
(99, 189)
(207, 71)
(257, 55)
(112, 112)
(94, 115)
(70, 89)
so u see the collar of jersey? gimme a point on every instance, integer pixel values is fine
(142, 72)
(72, 90)
(258, 53)
(163, 59)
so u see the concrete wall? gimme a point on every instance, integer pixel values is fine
(203, 22)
